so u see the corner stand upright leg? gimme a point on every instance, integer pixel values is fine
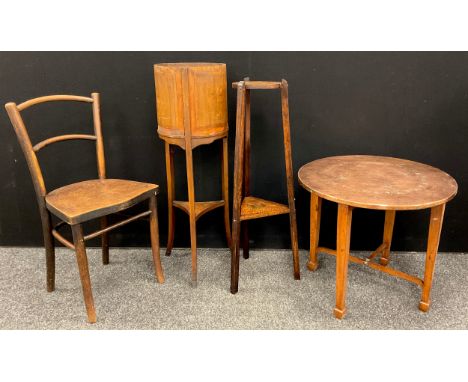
(435, 227)
(245, 239)
(154, 234)
(289, 177)
(237, 194)
(315, 212)
(225, 191)
(342, 257)
(246, 178)
(192, 215)
(387, 236)
(169, 150)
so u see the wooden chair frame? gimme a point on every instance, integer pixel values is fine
(49, 231)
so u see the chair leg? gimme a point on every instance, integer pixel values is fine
(154, 233)
(192, 216)
(170, 196)
(315, 214)
(82, 260)
(342, 257)
(435, 227)
(104, 242)
(225, 187)
(49, 250)
(387, 236)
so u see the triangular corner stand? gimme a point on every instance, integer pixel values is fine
(254, 208)
(201, 208)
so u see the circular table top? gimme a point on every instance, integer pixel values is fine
(376, 182)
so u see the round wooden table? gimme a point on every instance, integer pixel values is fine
(380, 183)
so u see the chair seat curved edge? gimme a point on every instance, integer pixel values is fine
(90, 199)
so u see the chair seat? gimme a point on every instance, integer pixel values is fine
(90, 199)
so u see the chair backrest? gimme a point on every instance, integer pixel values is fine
(14, 112)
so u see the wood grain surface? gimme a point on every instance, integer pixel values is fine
(207, 96)
(82, 201)
(376, 182)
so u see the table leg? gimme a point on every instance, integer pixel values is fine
(342, 256)
(435, 227)
(315, 213)
(387, 236)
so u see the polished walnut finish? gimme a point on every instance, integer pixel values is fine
(77, 203)
(379, 183)
(191, 103)
(245, 206)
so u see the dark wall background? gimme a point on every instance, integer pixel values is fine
(409, 105)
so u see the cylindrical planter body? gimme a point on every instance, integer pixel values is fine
(191, 98)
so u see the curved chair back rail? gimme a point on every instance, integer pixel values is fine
(59, 138)
(14, 112)
(52, 98)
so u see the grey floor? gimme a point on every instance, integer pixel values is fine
(127, 296)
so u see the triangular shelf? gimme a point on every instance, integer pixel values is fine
(201, 208)
(254, 208)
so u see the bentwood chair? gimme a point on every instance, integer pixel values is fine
(80, 202)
